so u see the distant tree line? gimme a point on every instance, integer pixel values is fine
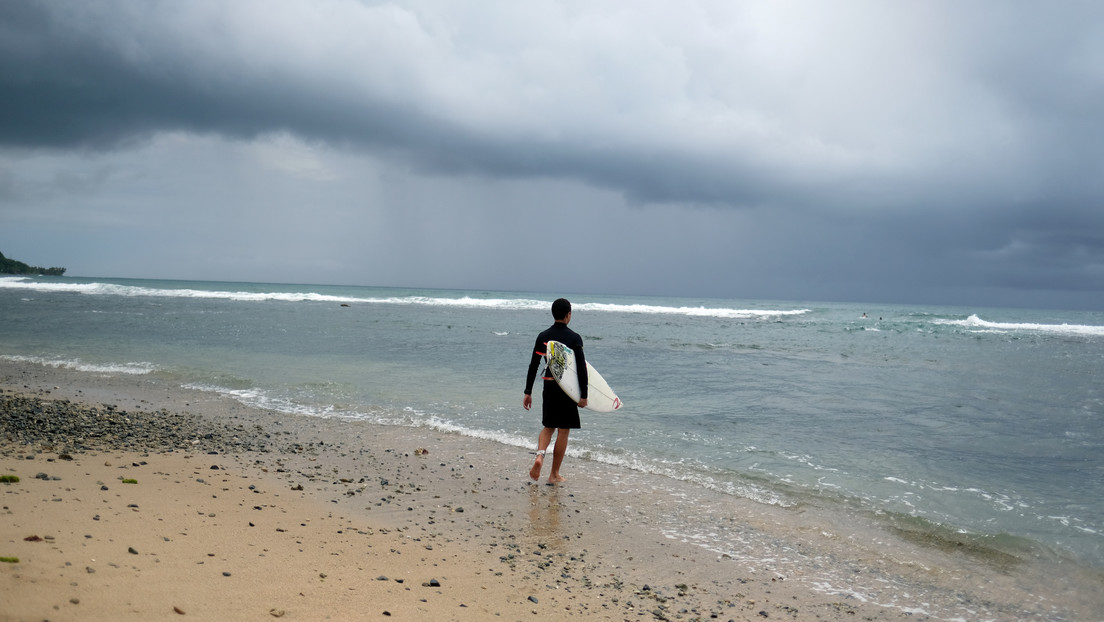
(11, 266)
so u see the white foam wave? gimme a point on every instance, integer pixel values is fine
(113, 289)
(79, 365)
(692, 311)
(977, 324)
(518, 304)
(259, 399)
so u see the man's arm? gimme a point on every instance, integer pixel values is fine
(531, 374)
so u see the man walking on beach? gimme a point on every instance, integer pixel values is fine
(560, 414)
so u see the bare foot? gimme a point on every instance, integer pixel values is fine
(534, 473)
(556, 479)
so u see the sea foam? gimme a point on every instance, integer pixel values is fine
(469, 302)
(977, 324)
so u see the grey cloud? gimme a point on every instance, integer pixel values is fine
(944, 144)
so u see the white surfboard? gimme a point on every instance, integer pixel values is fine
(561, 363)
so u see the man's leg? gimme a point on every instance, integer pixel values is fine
(542, 446)
(558, 455)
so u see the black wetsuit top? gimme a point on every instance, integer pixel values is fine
(558, 332)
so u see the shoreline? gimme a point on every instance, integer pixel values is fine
(311, 519)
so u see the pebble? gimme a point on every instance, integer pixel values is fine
(70, 427)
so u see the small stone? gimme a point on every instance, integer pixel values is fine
(131, 550)
(178, 610)
(533, 599)
(434, 583)
(225, 574)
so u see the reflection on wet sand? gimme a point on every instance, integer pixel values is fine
(545, 522)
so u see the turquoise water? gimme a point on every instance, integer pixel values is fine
(983, 422)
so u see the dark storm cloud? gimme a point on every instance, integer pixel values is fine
(70, 81)
(956, 144)
(64, 83)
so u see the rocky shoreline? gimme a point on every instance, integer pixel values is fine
(40, 424)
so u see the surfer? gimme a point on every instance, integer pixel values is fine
(560, 414)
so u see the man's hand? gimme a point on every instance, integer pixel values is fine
(527, 401)
(582, 403)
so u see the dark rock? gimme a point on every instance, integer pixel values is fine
(66, 428)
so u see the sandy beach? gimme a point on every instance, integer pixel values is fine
(256, 515)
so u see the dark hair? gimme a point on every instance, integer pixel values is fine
(560, 308)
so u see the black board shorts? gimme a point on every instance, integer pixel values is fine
(557, 409)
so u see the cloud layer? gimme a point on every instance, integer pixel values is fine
(924, 152)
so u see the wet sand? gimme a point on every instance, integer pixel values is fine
(288, 517)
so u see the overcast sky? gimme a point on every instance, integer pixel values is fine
(940, 152)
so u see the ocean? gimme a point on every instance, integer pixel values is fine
(964, 424)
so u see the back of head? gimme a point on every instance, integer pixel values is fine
(560, 309)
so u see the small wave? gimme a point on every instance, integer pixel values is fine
(748, 314)
(977, 324)
(257, 398)
(79, 365)
(516, 304)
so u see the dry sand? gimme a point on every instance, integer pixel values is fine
(338, 520)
